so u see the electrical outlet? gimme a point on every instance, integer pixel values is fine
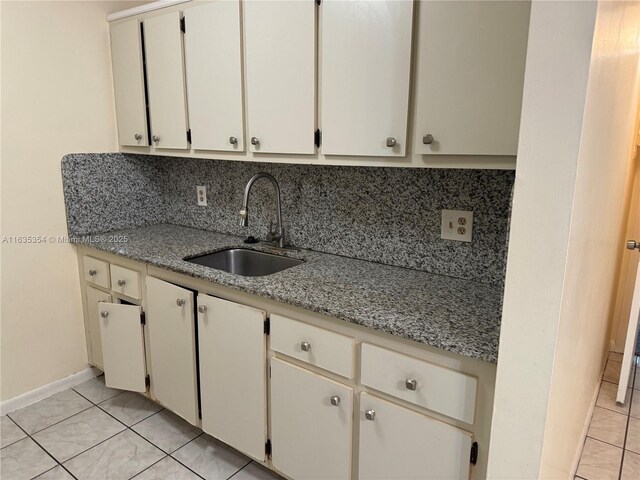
(202, 195)
(456, 225)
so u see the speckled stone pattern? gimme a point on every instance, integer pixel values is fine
(460, 316)
(385, 215)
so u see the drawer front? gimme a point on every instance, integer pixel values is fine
(96, 271)
(317, 346)
(437, 388)
(125, 281)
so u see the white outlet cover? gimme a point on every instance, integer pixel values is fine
(457, 225)
(201, 192)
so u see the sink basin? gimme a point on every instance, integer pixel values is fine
(243, 261)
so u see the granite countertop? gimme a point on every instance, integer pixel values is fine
(456, 315)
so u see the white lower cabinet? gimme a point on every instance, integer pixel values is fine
(311, 423)
(171, 327)
(398, 443)
(233, 391)
(95, 296)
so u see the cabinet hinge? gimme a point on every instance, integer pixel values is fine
(183, 26)
(267, 326)
(189, 135)
(267, 448)
(474, 453)
(147, 381)
(317, 138)
(143, 318)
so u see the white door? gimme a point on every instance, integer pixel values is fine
(171, 325)
(214, 75)
(364, 85)
(233, 383)
(128, 83)
(311, 424)
(632, 330)
(165, 81)
(398, 443)
(469, 76)
(280, 60)
(94, 296)
(122, 346)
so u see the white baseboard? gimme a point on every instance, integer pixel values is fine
(45, 391)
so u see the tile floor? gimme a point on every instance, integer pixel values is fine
(612, 447)
(95, 432)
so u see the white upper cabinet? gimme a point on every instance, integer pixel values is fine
(364, 83)
(165, 81)
(128, 83)
(280, 75)
(469, 76)
(214, 76)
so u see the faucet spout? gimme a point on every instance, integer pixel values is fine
(277, 236)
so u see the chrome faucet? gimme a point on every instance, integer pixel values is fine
(278, 235)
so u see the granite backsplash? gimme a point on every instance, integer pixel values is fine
(385, 215)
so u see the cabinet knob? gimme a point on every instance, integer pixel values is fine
(391, 142)
(255, 141)
(93, 272)
(411, 383)
(122, 283)
(155, 138)
(370, 414)
(233, 140)
(427, 139)
(180, 302)
(137, 136)
(335, 400)
(632, 245)
(104, 314)
(202, 308)
(305, 346)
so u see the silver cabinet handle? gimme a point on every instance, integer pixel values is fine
(202, 308)
(93, 272)
(104, 314)
(335, 400)
(155, 138)
(370, 414)
(305, 346)
(391, 142)
(411, 383)
(122, 283)
(427, 139)
(233, 140)
(137, 136)
(632, 245)
(180, 302)
(255, 141)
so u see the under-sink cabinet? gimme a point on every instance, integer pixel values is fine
(307, 395)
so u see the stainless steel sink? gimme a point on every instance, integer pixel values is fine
(243, 261)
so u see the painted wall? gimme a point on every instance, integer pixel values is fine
(574, 155)
(56, 99)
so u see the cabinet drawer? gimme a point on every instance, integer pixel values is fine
(125, 281)
(323, 348)
(431, 386)
(96, 271)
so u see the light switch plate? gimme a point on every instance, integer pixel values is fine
(456, 225)
(201, 191)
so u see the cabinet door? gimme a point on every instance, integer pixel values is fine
(165, 80)
(122, 346)
(171, 324)
(281, 74)
(366, 60)
(311, 437)
(398, 443)
(469, 76)
(233, 389)
(214, 76)
(95, 296)
(128, 83)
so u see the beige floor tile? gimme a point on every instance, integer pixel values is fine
(633, 435)
(630, 466)
(635, 405)
(608, 426)
(57, 473)
(130, 408)
(612, 372)
(616, 357)
(96, 391)
(607, 398)
(9, 432)
(210, 458)
(51, 410)
(254, 471)
(167, 468)
(599, 461)
(24, 460)
(167, 431)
